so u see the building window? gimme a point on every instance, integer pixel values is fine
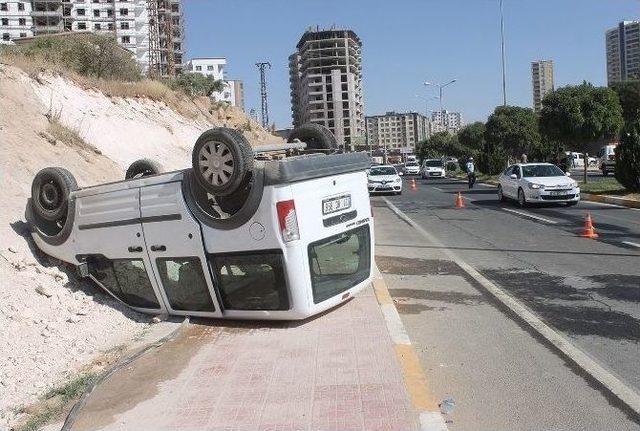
(20, 6)
(126, 39)
(5, 21)
(97, 27)
(3, 6)
(198, 67)
(110, 26)
(5, 36)
(109, 12)
(23, 34)
(22, 21)
(124, 25)
(210, 67)
(82, 26)
(81, 12)
(96, 13)
(124, 11)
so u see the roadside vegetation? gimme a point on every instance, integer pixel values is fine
(97, 61)
(572, 117)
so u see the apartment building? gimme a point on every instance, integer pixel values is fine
(152, 30)
(542, 81)
(396, 130)
(15, 20)
(215, 66)
(623, 52)
(445, 121)
(325, 75)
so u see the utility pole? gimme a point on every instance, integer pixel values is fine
(504, 79)
(263, 92)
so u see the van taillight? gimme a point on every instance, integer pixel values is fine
(288, 220)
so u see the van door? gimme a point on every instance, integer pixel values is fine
(110, 223)
(174, 243)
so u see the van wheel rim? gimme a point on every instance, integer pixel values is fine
(50, 196)
(216, 163)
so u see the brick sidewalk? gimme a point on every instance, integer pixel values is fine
(335, 372)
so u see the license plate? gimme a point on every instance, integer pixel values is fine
(559, 193)
(336, 204)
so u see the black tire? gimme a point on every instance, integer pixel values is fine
(50, 193)
(143, 168)
(316, 136)
(233, 152)
(522, 199)
(233, 203)
(501, 194)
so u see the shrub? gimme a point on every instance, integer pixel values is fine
(492, 161)
(87, 54)
(196, 84)
(627, 170)
(452, 166)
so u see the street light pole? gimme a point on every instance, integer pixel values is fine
(441, 87)
(504, 79)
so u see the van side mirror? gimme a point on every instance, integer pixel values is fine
(513, 176)
(401, 173)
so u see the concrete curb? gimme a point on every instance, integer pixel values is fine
(630, 203)
(75, 410)
(414, 378)
(628, 398)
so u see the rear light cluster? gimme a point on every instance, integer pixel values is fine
(288, 220)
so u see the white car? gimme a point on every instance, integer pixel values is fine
(384, 179)
(537, 183)
(432, 168)
(231, 237)
(411, 168)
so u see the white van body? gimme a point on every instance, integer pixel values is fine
(607, 158)
(149, 244)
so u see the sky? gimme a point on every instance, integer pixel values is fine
(408, 42)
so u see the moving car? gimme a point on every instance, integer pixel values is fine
(432, 168)
(412, 168)
(384, 179)
(231, 237)
(607, 158)
(537, 183)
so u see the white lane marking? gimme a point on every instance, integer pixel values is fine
(632, 244)
(609, 205)
(610, 382)
(438, 189)
(546, 220)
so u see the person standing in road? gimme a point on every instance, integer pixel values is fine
(471, 172)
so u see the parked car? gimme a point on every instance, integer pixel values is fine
(230, 237)
(607, 158)
(384, 179)
(411, 168)
(432, 168)
(537, 183)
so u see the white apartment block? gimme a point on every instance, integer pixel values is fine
(542, 81)
(215, 66)
(623, 51)
(396, 130)
(128, 20)
(445, 121)
(15, 20)
(325, 75)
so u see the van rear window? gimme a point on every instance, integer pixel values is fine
(339, 262)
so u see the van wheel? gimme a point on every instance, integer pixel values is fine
(316, 136)
(50, 193)
(143, 168)
(221, 160)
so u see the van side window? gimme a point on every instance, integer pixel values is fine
(127, 279)
(184, 283)
(251, 281)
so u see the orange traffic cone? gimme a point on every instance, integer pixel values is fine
(589, 231)
(412, 185)
(459, 201)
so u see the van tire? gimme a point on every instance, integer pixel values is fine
(143, 168)
(50, 191)
(232, 151)
(316, 136)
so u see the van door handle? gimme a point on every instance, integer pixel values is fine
(135, 249)
(158, 248)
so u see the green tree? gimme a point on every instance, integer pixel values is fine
(628, 157)
(629, 95)
(577, 116)
(515, 130)
(196, 84)
(472, 136)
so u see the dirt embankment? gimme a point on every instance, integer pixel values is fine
(53, 323)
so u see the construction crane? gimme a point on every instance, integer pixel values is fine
(263, 91)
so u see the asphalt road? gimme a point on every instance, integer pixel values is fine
(589, 290)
